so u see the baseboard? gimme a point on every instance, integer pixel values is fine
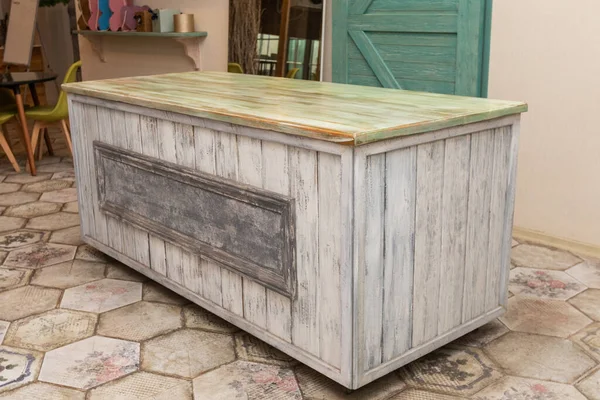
(574, 246)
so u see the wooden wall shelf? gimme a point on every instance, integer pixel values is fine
(191, 41)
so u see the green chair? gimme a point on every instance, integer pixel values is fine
(234, 68)
(45, 116)
(292, 73)
(4, 118)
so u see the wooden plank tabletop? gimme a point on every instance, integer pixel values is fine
(333, 112)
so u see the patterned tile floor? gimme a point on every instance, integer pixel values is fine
(75, 324)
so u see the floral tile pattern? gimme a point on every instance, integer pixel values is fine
(590, 386)
(541, 283)
(103, 295)
(589, 339)
(17, 367)
(50, 330)
(587, 272)
(532, 256)
(11, 223)
(144, 385)
(20, 238)
(315, 386)
(90, 362)
(43, 391)
(140, 321)
(40, 255)
(245, 380)
(59, 220)
(512, 388)
(70, 236)
(197, 317)
(483, 335)
(452, 370)
(540, 357)
(11, 278)
(69, 274)
(177, 353)
(31, 210)
(27, 300)
(545, 317)
(250, 348)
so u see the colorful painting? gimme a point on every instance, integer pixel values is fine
(117, 19)
(105, 13)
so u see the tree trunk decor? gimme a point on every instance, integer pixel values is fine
(244, 27)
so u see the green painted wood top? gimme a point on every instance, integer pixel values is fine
(332, 112)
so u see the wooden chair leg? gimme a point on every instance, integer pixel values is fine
(67, 133)
(7, 150)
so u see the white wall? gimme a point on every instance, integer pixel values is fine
(547, 53)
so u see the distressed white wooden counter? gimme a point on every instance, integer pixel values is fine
(354, 228)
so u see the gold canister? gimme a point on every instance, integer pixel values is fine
(184, 22)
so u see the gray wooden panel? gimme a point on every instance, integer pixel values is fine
(478, 220)
(428, 241)
(401, 179)
(303, 189)
(502, 138)
(262, 244)
(374, 241)
(454, 208)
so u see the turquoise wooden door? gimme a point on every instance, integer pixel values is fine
(427, 45)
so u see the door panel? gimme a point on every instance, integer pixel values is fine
(426, 45)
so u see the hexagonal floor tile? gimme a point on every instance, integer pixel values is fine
(587, 272)
(589, 339)
(144, 385)
(588, 302)
(250, 348)
(3, 255)
(50, 330)
(531, 256)
(26, 178)
(11, 278)
(21, 238)
(40, 255)
(520, 388)
(48, 160)
(12, 199)
(3, 328)
(540, 357)
(89, 253)
(47, 186)
(546, 317)
(590, 386)
(541, 283)
(483, 335)
(59, 220)
(72, 207)
(415, 394)
(140, 321)
(90, 362)
(56, 167)
(11, 223)
(43, 391)
(245, 380)
(178, 353)
(197, 317)
(25, 301)
(316, 386)
(101, 296)
(453, 370)
(18, 367)
(116, 270)
(30, 210)
(70, 236)
(65, 175)
(60, 196)
(69, 274)
(158, 293)
(9, 187)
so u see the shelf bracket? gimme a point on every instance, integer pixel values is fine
(97, 43)
(192, 47)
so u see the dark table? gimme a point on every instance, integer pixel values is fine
(14, 81)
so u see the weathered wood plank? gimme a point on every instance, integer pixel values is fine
(80, 159)
(303, 188)
(175, 265)
(158, 258)
(428, 243)
(401, 179)
(374, 258)
(275, 170)
(249, 157)
(476, 260)
(184, 145)
(192, 272)
(456, 186)
(330, 247)
(211, 282)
